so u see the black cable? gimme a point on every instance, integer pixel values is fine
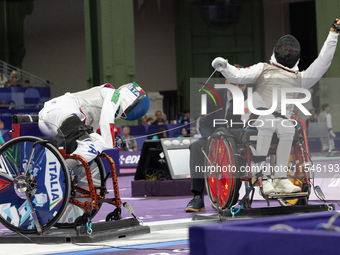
(151, 191)
(24, 236)
(127, 248)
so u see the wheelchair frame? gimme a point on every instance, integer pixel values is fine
(222, 186)
(30, 211)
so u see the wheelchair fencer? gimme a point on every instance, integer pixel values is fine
(42, 186)
(228, 161)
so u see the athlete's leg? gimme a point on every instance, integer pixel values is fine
(265, 126)
(197, 177)
(285, 131)
(54, 113)
(60, 117)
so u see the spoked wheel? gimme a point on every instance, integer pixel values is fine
(221, 167)
(73, 212)
(34, 185)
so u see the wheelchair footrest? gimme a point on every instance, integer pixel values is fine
(288, 195)
(107, 200)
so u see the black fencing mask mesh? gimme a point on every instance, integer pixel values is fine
(287, 51)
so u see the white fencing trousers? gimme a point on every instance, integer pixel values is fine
(54, 113)
(327, 143)
(285, 130)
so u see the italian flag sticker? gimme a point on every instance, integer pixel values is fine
(136, 86)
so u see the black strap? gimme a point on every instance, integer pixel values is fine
(276, 114)
(73, 129)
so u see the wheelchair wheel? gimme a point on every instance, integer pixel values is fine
(73, 212)
(221, 169)
(34, 185)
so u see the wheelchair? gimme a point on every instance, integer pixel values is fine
(38, 190)
(228, 151)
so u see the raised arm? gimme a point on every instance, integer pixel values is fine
(320, 65)
(111, 101)
(237, 75)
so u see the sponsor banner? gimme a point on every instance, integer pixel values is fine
(20, 100)
(52, 180)
(129, 159)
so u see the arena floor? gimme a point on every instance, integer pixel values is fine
(165, 216)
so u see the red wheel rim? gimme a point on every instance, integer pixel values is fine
(227, 166)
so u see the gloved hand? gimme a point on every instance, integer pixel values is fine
(332, 133)
(119, 141)
(336, 26)
(220, 64)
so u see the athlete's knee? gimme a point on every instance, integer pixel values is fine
(288, 136)
(90, 147)
(86, 149)
(98, 142)
(286, 133)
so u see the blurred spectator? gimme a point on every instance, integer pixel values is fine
(27, 84)
(2, 141)
(327, 142)
(295, 112)
(3, 79)
(149, 121)
(3, 105)
(161, 133)
(129, 143)
(14, 82)
(143, 120)
(312, 118)
(185, 117)
(159, 120)
(11, 105)
(184, 133)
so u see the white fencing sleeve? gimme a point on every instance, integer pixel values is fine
(320, 65)
(111, 101)
(329, 121)
(243, 75)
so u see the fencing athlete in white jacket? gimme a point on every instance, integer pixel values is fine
(74, 115)
(327, 143)
(282, 72)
